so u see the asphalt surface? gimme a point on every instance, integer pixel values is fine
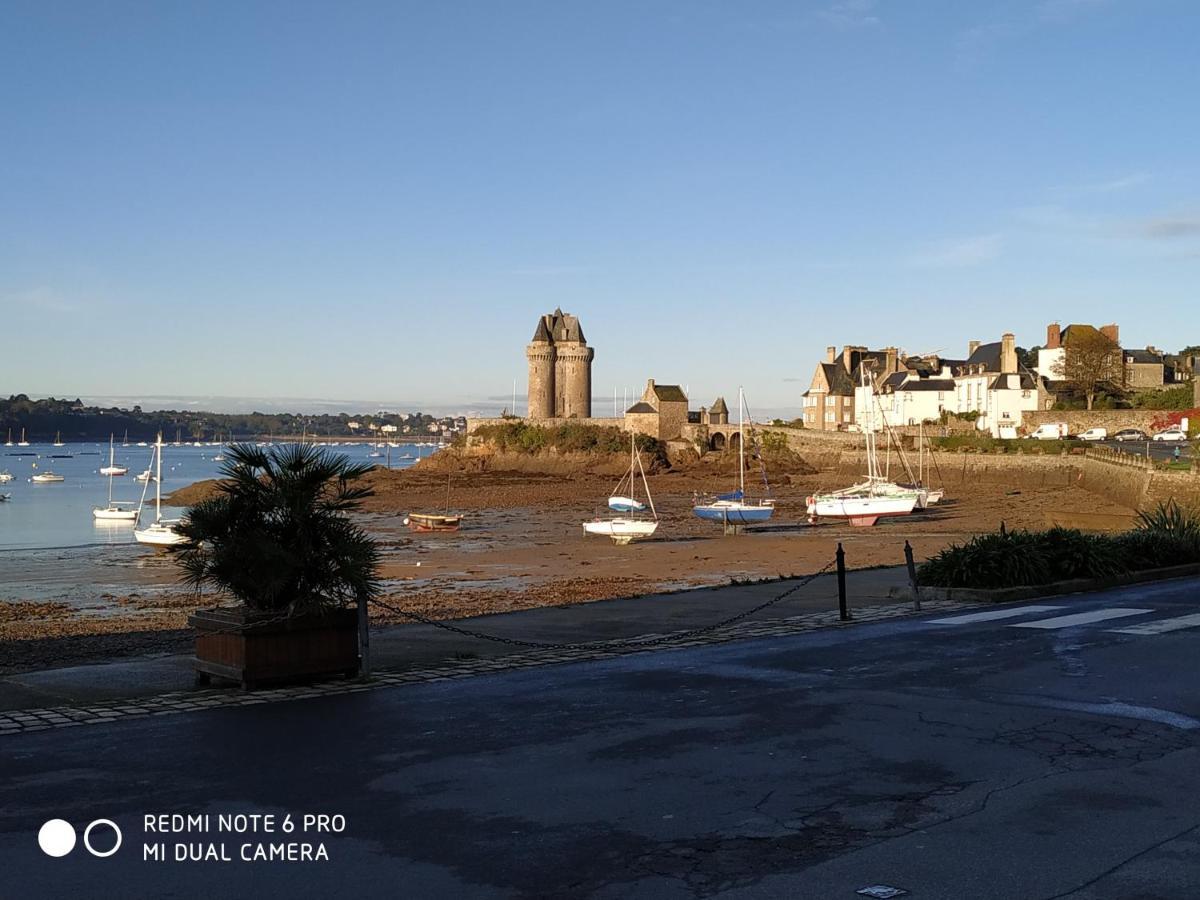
(1160, 450)
(969, 759)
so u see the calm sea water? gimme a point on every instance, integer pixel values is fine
(59, 515)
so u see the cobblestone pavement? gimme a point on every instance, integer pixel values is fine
(41, 719)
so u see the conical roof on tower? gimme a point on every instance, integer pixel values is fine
(542, 334)
(719, 406)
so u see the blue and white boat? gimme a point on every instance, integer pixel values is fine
(733, 509)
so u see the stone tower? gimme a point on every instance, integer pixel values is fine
(560, 369)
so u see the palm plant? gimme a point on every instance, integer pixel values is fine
(277, 537)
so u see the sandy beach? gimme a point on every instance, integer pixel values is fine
(522, 545)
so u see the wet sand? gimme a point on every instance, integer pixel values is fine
(522, 545)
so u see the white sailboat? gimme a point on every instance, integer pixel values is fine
(112, 468)
(6, 476)
(624, 529)
(874, 497)
(733, 509)
(58, 439)
(9, 442)
(161, 532)
(23, 442)
(113, 511)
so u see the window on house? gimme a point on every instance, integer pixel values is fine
(829, 401)
(828, 417)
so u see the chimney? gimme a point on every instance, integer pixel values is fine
(891, 360)
(830, 354)
(972, 346)
(1008, 353)
(1112, 332)
(1053, 336)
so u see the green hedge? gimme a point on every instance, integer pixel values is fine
(1167, 536)
(982, 443)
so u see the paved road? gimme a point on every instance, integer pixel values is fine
(1030, 756)
(1161, 450)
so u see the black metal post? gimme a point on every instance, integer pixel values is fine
(912, 575)
(843, 610)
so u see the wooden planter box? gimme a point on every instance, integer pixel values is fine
(257, 648)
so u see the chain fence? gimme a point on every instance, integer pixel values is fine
(616, 643)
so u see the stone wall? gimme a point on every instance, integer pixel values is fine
(1080, 420)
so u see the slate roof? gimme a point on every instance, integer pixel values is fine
(1144, 356)
(671, 393)
(542, 334)
(641, 407)
(1027, 382)
(719, 406)
(928, 384)
(838, 379)
(558, 326)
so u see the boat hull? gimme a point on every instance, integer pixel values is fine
(861, 511)
(47, 479)
(430, 522)
(621, 531)
(114, 514)
(732, 513)
(159, 535)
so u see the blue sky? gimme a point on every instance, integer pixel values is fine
(376, 200)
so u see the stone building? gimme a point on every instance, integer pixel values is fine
(661, 413)
(560, 369)
(829, 402)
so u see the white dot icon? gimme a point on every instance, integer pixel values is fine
(56, 837)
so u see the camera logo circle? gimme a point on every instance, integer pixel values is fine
(57, 838)
(87, 834)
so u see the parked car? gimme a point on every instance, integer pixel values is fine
(1131, 434)
(1174, 433)
(1094, 434)
(1048, 431)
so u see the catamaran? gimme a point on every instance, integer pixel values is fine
(874, 497)
(161, 532)
(733, 509)
(623, 529)
(114, 511)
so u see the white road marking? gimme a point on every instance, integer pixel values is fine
(1096, 615)
(1162, 625)
(991, 615)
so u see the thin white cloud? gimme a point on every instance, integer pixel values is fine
(1104, 187)
(851, 14)
(958, 252)
(42, 299)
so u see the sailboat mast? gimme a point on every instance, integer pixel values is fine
(158, 481)
(741, 442)
(110, 468)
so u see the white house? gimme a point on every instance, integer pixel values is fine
(992, 383)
